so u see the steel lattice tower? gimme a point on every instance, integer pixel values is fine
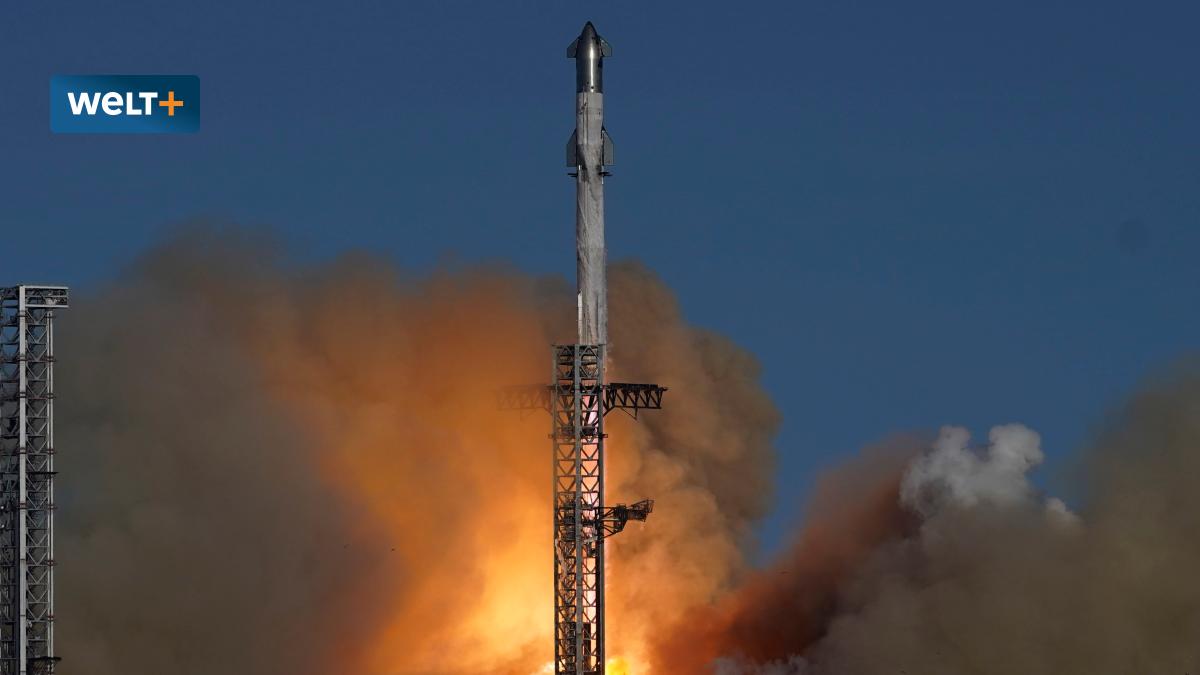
(578, 443)
(578, 401)
(27, 478)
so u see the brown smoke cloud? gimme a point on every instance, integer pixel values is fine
(1008, 586)
(986, 576)
(270, 467)
(786, 606)
(280, 468)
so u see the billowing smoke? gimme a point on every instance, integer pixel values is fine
(279, 468)
(772, 611)
(985, 575)
(951, 475)
(273, 468)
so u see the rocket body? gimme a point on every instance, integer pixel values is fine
(588, 152)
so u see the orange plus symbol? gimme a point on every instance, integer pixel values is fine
(171, 104)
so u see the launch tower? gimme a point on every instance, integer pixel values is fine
(27, 478)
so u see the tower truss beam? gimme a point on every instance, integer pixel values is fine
(623, 396)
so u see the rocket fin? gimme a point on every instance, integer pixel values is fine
(606, 157)
(573, 151)
(605, 48)
(573, 49)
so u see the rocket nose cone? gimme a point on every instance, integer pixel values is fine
(588, 33)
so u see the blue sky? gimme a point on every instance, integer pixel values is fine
(914, 214)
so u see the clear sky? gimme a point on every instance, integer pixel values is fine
(913, 213)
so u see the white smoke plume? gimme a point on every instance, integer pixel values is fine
(953, 474)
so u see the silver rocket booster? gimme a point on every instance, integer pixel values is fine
(589, 151)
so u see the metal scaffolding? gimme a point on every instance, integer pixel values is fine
(27, 478)
(578, 439)
(578, 402)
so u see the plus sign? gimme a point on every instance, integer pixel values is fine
(171, 103)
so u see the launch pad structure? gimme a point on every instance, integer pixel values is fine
(27, 478)
(579, 397)
(578, 401)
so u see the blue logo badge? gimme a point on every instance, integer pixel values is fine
(124, 104)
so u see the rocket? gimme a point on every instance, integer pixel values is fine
(578, 397)
(589, 151)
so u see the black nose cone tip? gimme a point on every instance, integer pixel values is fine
(588, 32)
